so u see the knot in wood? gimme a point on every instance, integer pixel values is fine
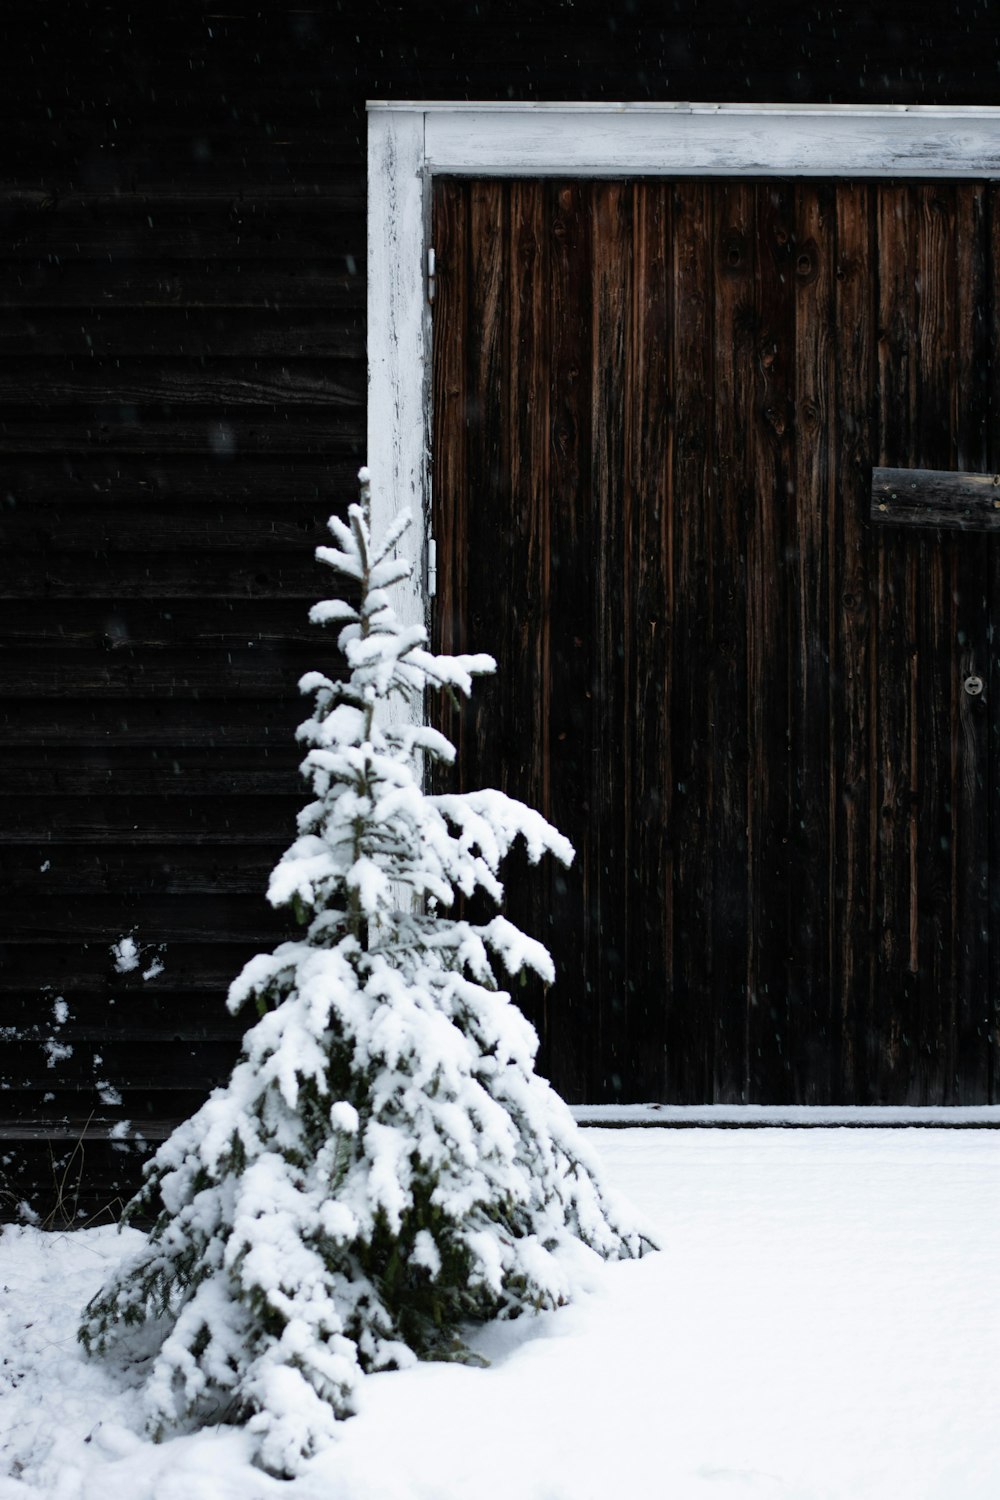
(734, 249)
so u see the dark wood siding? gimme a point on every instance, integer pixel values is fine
(742, 702)
(182, 375)
(182, 254)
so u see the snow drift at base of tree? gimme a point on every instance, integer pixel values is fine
(822, 1325)
(384, 1167)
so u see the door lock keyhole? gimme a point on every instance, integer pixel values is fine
(973, 686)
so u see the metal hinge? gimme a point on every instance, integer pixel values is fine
(432, 567)
(431, 274)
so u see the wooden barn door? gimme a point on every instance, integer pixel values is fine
(656, 410)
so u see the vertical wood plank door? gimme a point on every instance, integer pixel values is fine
(656, 409)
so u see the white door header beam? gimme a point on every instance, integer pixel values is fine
(766, 140)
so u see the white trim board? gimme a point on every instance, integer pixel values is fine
(410, 142)
(711, 140)
(786, 1116)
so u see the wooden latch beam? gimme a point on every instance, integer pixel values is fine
(934, 498)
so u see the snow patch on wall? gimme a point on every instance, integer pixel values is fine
(129, 955)
(125, 954)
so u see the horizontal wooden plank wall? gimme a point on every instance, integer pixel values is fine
(182, 255)
(182, 376)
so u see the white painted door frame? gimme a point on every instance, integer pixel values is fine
(409, 143)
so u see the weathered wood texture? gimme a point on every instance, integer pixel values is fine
(182, 379)
(936, 498)
(658, 406)
(182, 350)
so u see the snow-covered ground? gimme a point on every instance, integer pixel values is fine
(823, 1321)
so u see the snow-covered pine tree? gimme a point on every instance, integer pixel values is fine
(384, 1163)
